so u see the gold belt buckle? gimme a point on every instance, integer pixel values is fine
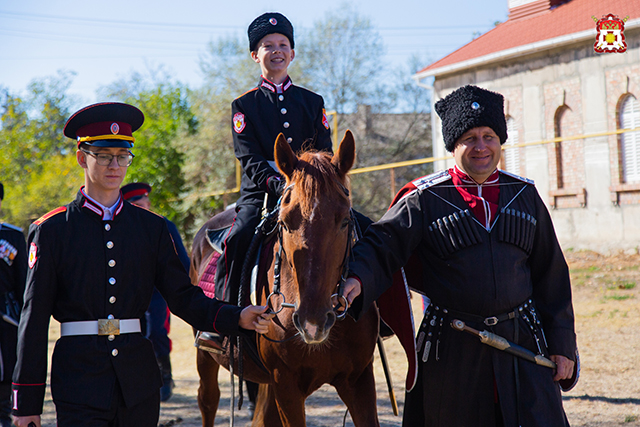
(108, 327)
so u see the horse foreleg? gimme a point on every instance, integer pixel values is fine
(266, 414)
(208, 391)
(360, 397)
(290, 402)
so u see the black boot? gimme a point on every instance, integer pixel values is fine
(166, 391)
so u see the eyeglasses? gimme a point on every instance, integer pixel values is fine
(104, 159)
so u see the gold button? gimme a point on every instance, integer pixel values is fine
(114, 352)
(112, 263)
(107, 227)
(111, 337)
(109, 244)
(112, 300)
(286, 125)
(112, 280)
(283, 111)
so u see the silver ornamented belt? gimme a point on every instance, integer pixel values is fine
(100, 327)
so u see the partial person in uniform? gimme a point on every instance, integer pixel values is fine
(157, 320)
(275, 106)
(13, 272)
(93, 265)
(479, 242)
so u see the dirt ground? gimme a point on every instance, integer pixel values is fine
(607, 306)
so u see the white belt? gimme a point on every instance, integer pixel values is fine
(100, 327)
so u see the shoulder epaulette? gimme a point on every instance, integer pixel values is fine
(250, 90)
(431, 180)
(519, 178)
(46, 216)
(10, 226)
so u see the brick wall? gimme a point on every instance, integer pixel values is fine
(620, 82)
(563, 118)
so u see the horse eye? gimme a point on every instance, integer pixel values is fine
(345, 223)
(284, 226)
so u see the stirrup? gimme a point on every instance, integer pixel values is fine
(210, 341)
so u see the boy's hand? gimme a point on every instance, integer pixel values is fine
(352, 288)
(255, 318)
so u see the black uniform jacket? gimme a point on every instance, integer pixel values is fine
(467, 268)
(83, 268)
(259, 116)
(13, 272)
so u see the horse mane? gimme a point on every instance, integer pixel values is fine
(315, 175)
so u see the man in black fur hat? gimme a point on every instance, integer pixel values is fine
(480, 244)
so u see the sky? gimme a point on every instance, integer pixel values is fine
(103, 41)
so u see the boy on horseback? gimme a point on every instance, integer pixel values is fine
(275, 106)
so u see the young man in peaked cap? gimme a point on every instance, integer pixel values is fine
(480, 244)
(93, 265)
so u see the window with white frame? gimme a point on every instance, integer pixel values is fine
(511, 153)
(630, 141)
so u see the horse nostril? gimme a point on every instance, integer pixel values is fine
(296, 321)
(331, 319)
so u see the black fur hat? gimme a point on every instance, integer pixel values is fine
(269, 23)
(470, 107)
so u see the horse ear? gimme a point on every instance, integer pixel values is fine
(345, 157)
(286, 159)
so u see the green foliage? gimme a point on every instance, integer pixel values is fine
(168, 119)
(36, 163)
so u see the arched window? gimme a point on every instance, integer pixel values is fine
(630, 141)
(511, 153)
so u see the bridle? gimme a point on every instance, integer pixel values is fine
(340, 303)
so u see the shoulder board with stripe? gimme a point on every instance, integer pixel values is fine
(249, 91)
(520, 178)
(431, 180)
(10, 227)
(46, 216)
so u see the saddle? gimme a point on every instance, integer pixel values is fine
(257, 260)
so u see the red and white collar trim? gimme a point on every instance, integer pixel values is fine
(274, 87)
(106, 213)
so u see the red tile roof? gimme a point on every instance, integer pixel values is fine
(566, 19)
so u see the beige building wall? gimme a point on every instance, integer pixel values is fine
(564, 92)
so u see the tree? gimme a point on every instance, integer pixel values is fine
(36, 166)
(168, 120)
(340, 58)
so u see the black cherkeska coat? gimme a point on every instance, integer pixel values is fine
(469, 269)
(83, 268)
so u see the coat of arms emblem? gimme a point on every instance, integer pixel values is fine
(610, 36)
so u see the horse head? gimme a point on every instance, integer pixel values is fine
(315, 219)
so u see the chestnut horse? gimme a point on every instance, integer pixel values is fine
(308, 345)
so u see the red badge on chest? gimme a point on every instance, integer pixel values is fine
(238, 122)
(33, 251)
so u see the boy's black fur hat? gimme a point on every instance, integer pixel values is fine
(469, 107)
(269, 23)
